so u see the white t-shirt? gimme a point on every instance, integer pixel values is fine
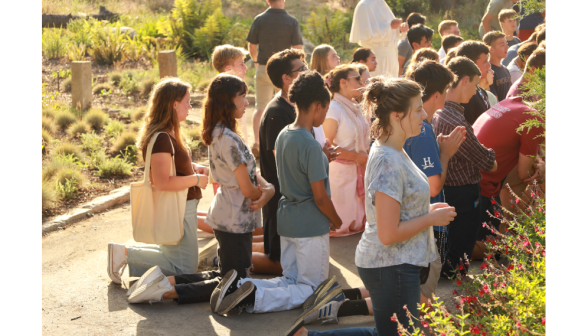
(515, 72)
(442, 55)
(345, 137)
(319, 135)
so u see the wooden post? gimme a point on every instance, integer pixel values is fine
(168, 66)
(81, 85)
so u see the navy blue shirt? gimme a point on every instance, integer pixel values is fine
(424, 151)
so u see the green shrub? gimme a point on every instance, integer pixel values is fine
(331, 27)
(99, 88)
(66, 148)
(193, 133)
(76, 52)
(53, 43)
(49, 195)
(115, 78)
(129, 84)
(108, 45)
(97, 158)
(96, 118)
(71, 174)
(66, 85)
(77, 128)
(67, 190)
(48, 124)
(64, 118)
(138, 114)
(81, 29)
(115, 167)
(145, 86)
(59, 162)
(91, 142)
(114, 128)
(122, 141)
(46, 137)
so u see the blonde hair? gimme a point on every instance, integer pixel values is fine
(446, 25)
(361, 68)
(161, 116)
(226, 54)
(319, 60)
(421, 55)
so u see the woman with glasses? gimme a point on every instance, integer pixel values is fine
(347, 127)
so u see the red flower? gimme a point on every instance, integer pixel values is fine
(425, 324)
(489, 256)
(517, 201)
(509, 268)
(393, 319)
(461, 267)
(543, 253)
(457, 306)
(493, 201)
(483, 266)
(543, 320)
(454, 292)
(485, 288)
(493, 243)
(481, 292)
(475, 330)
(458, 282)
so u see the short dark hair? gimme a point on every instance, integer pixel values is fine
(537, 59)
(281, 64)
(432, 76)
(307, 88)
(417, 32)
(361, 54)
(415, 18)
(472, 50)
(525, 50)
(541, 35)
(492, 36)
(506, 14)
(462, 67)
(449, 41)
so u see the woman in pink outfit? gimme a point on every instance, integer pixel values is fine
(347, 127)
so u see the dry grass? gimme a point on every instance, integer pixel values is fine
(47, 138)
(71, 174)
(81, 7)
(49, 195)
(64, 118)
(98, 88)
(139, 113)
(66, 148)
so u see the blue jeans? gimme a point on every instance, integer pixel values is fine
(172, 259)
(390, 289)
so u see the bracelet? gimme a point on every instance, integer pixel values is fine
(197, 183)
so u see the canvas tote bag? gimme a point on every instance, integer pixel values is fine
(158, 216)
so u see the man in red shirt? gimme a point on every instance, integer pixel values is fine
(515, 151)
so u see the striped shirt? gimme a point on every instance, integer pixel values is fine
(471, 157)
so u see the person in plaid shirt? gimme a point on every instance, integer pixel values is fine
(462, 185)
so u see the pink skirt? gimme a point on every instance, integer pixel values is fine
(348, 202)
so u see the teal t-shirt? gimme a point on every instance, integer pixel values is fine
(300, 161)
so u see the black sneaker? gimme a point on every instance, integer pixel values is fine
(229, 281)
(244, 296)
(320, 291)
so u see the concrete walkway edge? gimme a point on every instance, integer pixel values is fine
(99, 204)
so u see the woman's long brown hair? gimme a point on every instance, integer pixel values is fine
(219, 106)
(161, 116)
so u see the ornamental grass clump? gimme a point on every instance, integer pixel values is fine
(48, 124)
(47, 138)
(102, 88)
(114, 128)
(72, 174)
(64, 118)
(508, 298)
(138, 114)
(66, 85)
(115, 78)
(78, 128)
(96, 118)
(49, 112)
(115, 167)
(91, 142)
(66, 148)
(124, 140)
(59, 162)
(48, 195)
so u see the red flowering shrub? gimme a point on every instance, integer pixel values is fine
(506, 298)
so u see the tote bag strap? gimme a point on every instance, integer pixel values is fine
(148, 157)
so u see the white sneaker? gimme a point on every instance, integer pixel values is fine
(117, 261)
(150, 287)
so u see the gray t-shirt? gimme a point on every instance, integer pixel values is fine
(301, 161)
(404, 49)
(494, 8)
(273, 31)
(229, 210)
(394, 174)
(511, 54)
